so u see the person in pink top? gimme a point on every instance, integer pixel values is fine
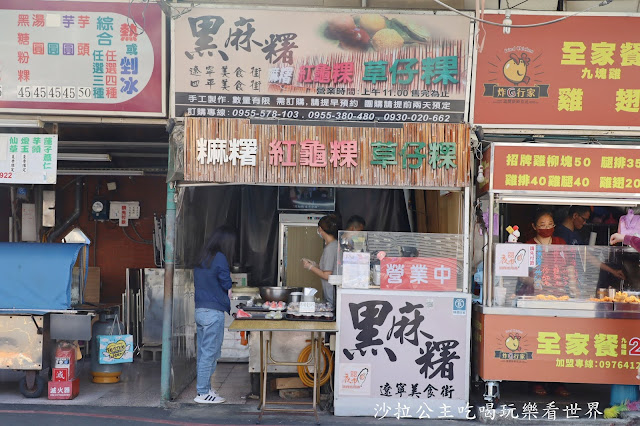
(628, 240)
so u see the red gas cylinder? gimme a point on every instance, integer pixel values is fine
(64, 366)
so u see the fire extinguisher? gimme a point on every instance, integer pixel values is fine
(65, 362)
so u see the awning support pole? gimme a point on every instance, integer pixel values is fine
(167, 317)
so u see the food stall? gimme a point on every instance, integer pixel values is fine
(436, 360)
(574, 326)
(36, 307)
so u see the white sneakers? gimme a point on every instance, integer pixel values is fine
(209, 398)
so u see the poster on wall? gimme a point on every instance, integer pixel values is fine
(90, 58)
(580, 73)
(328, 65)
(550, 349)
(391, 351)
(28, 158)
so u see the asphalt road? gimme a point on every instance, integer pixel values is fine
(178, 415)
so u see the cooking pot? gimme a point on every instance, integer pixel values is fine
(239, 269)
(295, 297)
(277, 294)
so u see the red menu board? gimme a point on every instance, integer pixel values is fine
(588, 169)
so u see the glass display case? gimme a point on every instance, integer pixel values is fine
(563, 276)
(416, 261)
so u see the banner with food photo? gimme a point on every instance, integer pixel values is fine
(323, 65)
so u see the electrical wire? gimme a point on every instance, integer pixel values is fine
(133, 225)
(132, 239)
(539, 24)
(144, 19)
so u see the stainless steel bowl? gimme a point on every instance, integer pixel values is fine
(276, 294)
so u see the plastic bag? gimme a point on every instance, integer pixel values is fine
(629, 224)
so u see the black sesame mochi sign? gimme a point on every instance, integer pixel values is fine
(322, 65)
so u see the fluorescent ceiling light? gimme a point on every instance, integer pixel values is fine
(72, 156)
(99, 172)
(519, 199)
(20, 123)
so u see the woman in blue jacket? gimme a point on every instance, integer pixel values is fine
(212, 281)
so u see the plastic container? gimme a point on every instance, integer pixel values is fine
(105, 373)
(335, 280)
(623, 393)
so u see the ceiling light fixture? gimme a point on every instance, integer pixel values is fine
(515, 199)
(21, 123)
(99, 172)
(73, 156)
(507, 22)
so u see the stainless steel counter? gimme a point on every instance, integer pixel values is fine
(560, 313)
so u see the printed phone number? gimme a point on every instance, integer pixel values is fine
(54, 92)
(6, 175)
(614, 365)
(339, 116)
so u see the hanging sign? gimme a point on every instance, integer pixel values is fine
(579, 73)
(28, 159)
(329, 65)
(416, 155)
(72, 57)
(407, 348)
(556, 168)
(419, 273)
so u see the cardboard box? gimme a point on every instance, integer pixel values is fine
(289, 383)
(64, 390)
(92, 290)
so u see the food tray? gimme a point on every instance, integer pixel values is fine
(576, 304)
(319, 319)
(258, 308)
(258, 316)
(626, 307)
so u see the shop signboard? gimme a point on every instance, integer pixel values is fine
(90, 58)
(583, 169)
(407, 349)
(28, 158)
(419, 273)
(415, 155)
(579, 73)
(554, 349)
(326, 65)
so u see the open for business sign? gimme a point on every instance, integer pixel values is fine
(418, 273)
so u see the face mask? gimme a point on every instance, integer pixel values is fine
(545, 233)
(319, 234)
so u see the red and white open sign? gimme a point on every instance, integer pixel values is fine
(418, 273)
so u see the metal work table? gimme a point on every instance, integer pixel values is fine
(315, 328)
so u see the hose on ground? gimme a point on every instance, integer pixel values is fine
(305, 375)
